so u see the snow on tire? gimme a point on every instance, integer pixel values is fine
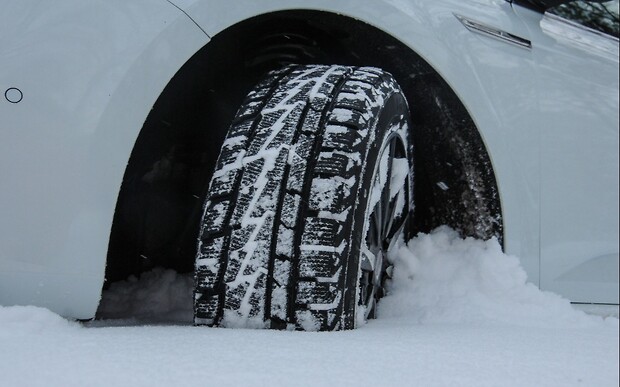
(312, 185)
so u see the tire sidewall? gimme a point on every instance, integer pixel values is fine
(393, 111)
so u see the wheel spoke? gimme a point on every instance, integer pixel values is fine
(372, 309)
(364, 288)
(385, 223)
(374, 234)
(396, 221)
(386, 196)
(378, 214)
(368, 261)
(399, 205)
(390, 213)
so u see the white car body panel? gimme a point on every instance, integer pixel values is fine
(579, 163)
(88, 81)
(83, 109)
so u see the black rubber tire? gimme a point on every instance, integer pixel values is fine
(284, 218)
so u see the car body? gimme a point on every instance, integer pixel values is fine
(80, 79)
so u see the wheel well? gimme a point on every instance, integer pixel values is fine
(159, 205)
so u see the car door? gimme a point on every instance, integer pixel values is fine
(577, 75)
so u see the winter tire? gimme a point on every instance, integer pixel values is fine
(311, 189)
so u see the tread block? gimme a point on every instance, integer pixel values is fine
(286, 242)
(322, 232)
(211, 250)
(359, 101)
(240, 237)
(297, 173)
(243, 128)
(257, 144)
(243, 203)
(329, 195)
(281, 272)
(251, 171)
(279, 301)
(214, 219)
(340, 138)
(319, 264)
(238, 305)
(250, 109)
(298, 161)
(257, 258)
(205, 309)
(336, 164)
(232, 152)
(205, 279)
(320, 96)
(268, 196)
(208, 262)
(267, 201)
(303, 147)
(223, 185)
(357, 87)
(312, 120)
(248, 186)
(257, 298)
(259, 94)
(290, 210)
(280, 289)
(234, 295)
(310, 293)
(348, 117)
(235, 259)
(372, 79)
(371, 70)
(306, 73)
(288, 95)
(281, 123)
(253, 255)
(277, 163)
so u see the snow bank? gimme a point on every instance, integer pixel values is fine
(459, 314)
(161, 295)
(438, 278)
(29, 320)
(441, 278)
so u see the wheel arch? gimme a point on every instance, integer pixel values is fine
(444, 128)
(450, 150)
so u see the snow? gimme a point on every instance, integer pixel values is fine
(441, 278)
(286, 239)
(342, 115)
(459, 312)
(329, 249)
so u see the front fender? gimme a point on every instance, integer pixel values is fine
(89, 73)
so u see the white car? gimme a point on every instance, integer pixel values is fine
(279, 148)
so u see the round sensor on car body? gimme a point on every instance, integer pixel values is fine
(13, 95)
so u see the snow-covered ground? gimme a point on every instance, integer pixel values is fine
(460, 313)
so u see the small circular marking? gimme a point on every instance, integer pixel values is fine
(13, 95)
